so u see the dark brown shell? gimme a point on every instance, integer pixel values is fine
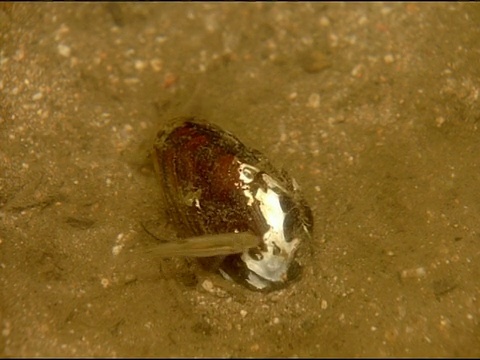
(199, 165)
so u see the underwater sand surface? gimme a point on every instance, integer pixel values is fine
(374, 109)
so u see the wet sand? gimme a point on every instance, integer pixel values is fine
(374, 108)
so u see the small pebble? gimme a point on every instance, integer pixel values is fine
(324, 21)
(156, 65)
(413, 273)
(117, 249)
(64, 50)
(388, 59)
(243, 313)
(170, 80)
(363, 20)
(324, 304)
(140, 64)
(37, 96)
(6, 330)
(313, 101)
(440, 120)
(255, 347)
(207, 285)
(292, 96)
(358, 71)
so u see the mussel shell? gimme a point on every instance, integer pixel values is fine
(210, 183)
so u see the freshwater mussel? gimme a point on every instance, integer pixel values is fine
(233, 208)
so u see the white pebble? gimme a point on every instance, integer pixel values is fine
(324, 304)
(64, 50)
(207, 285)
(140, 65)
(37, 96)
(414, 273)
(243, 313)
(116, 249)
